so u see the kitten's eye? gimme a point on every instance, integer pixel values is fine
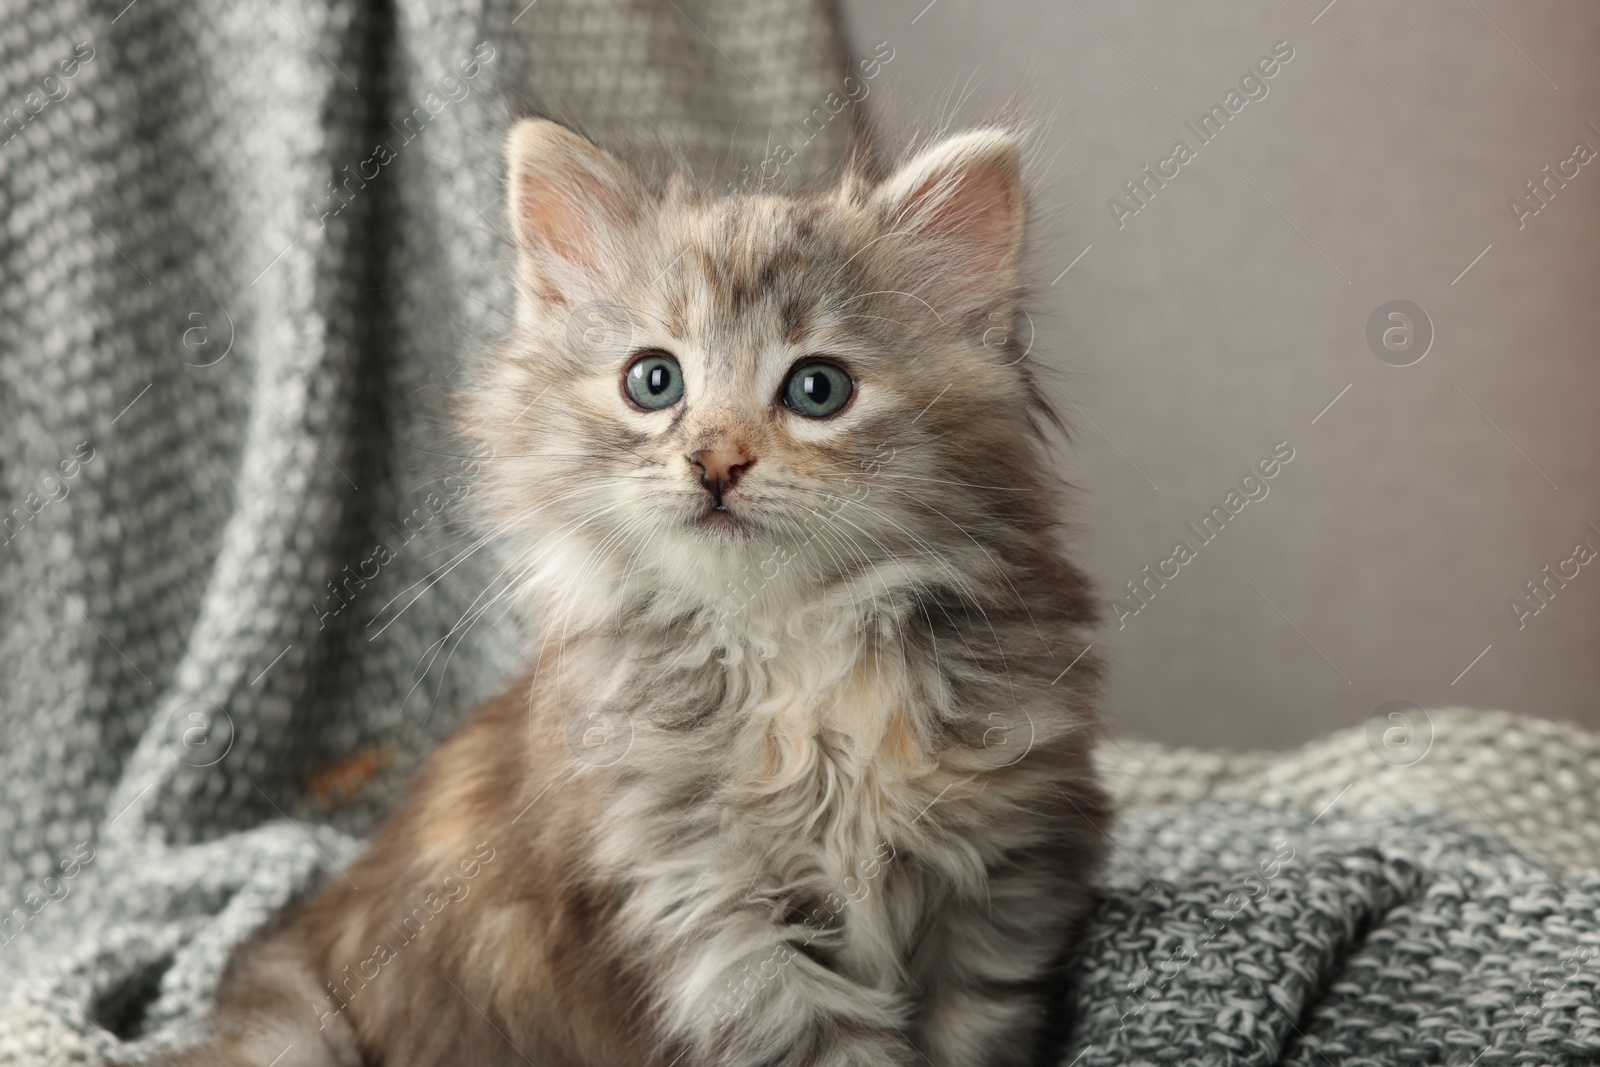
(654, 381)
(816, 390)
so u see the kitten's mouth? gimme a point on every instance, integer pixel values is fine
(721, 517)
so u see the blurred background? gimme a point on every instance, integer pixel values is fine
(1225, 309)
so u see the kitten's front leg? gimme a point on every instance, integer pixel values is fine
(769, 998)
(985, 967)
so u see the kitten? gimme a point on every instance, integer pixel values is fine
(800, 775)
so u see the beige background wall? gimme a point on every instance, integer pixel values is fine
(1226, 315)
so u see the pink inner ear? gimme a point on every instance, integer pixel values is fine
(553, 223)
(974, 211)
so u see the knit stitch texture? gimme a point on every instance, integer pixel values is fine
(1326, 906)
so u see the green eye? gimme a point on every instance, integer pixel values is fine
(816, 390)
(654, 381)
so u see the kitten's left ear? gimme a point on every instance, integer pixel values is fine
(964, 197)
(568, 201)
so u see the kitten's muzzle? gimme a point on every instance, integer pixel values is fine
(720, 467)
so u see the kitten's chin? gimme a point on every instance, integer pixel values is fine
(723, 523)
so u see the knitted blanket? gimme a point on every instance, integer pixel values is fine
(244, 244)
(1433, 899)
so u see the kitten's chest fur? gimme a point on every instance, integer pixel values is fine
(814, 783)
(812, 741)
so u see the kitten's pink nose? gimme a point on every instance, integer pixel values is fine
(721, 466)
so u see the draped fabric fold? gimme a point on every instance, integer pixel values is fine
(245, 248)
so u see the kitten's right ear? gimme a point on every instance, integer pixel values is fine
(567, 200)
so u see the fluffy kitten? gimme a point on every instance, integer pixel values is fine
(797, 777)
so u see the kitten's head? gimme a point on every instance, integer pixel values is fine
(735, 405)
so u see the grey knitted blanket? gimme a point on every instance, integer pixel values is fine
(1413, 941)
(245, 245)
